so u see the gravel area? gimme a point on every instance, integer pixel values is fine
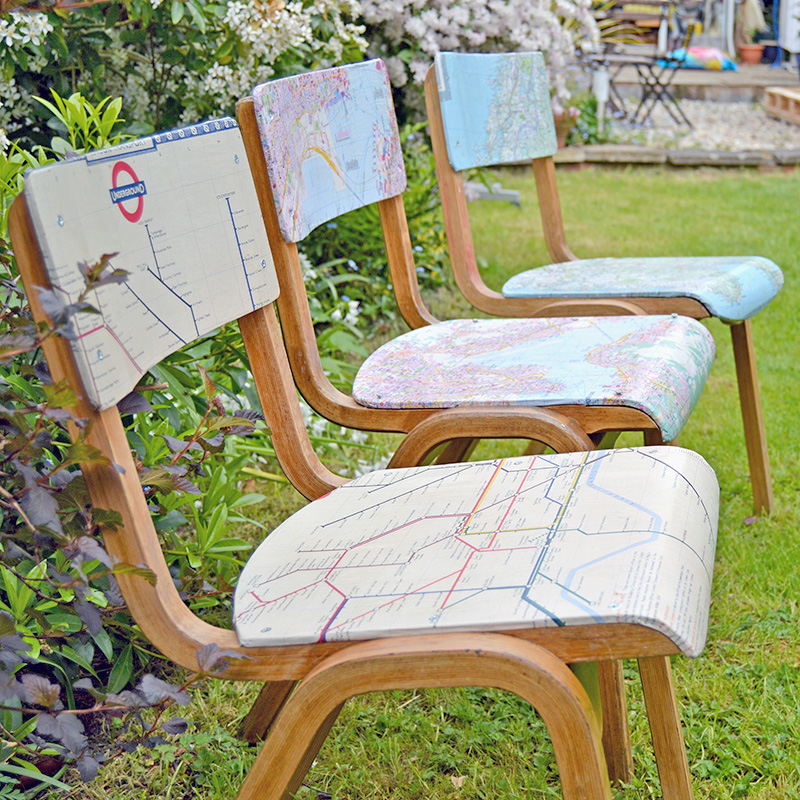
(717, 126)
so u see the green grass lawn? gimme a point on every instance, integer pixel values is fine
(740, 701)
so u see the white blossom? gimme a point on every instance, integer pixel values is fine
(555, 27)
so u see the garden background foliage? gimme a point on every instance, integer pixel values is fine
(74, 671)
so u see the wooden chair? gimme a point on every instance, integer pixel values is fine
(383, 582)
(326, 142)
(731, 288)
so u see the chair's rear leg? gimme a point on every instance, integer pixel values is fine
(665, 727)
(616, 733)
(534, 448)
(456, 450)
(653, 437)
(271, 699)
(750, 400)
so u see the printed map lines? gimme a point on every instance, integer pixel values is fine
(454, 575)
(153, 250)
(157, 276)
(156, 316)
(395, 599)
(457, 575)
(241, 255)
(82, 336)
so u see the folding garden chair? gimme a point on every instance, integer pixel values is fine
(493, 109)
(384, 582)
(655, 65)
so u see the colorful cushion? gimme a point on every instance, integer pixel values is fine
(732, 288)
(655, 364)
(702, 58)
(571, 539)
(331, 142)
(495, 108)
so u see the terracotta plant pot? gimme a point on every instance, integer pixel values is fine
(751, 53)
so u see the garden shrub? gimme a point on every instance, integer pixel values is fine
(68, 649)
(172, 62)
(409, 33)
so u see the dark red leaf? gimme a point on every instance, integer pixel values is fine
(39, 691)
(155, 690)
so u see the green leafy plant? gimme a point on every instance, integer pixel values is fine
(68, 649)
(84, 124)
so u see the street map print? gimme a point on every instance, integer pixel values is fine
(571, 539)
(331, 143)
(180, 211)
(495, 108)
(733, 288)
(656, 364)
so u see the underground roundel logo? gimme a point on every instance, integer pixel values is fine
(122, 192)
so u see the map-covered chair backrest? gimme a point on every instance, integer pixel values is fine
(331, 143)
(495, 108)
(178, 212)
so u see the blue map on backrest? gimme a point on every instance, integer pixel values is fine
(178, 212)
(495, 108)
(331, 143)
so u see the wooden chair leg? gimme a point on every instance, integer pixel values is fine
(456, 450)
(665, 728)
(417, 662)
(616, 732)
(750, 401)
(653, 437)
(271, 699)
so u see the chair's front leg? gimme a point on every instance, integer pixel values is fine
(503, 662)
(665, 728)
(752, 416)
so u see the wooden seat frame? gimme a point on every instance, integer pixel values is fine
(478, 294)
(306, 685)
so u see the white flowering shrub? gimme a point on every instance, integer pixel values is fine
(409, 33)
(171, 62)
(22, 37)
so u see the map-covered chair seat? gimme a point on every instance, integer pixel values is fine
(568, 539)
(489, 109)
(330, 142)
(658, 365)
(733, 289)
